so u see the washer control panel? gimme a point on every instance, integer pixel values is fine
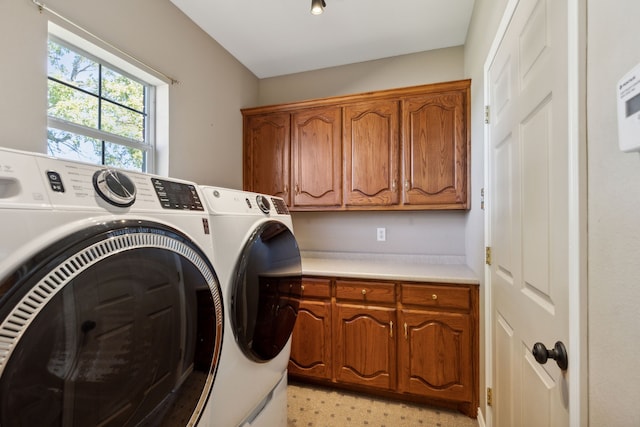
(177, 195)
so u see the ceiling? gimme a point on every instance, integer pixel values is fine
(278, 37)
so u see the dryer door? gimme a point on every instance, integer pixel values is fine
(120, 325)
(266, 291)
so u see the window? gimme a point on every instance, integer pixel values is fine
(96, 112)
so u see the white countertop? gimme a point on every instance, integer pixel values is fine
(419, 268)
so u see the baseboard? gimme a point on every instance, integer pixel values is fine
(480, 419)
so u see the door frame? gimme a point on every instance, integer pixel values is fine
(577, 257)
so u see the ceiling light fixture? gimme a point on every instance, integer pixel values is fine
(317, 7)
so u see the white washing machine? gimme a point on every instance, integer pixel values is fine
(110, 307)
(260, 274)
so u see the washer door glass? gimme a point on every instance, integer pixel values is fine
(120, 328)
(266, 291)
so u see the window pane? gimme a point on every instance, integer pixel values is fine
(72, 146)
(122, 89)
(72, 68)
(72, 105)
(120, 156)
(120, 121)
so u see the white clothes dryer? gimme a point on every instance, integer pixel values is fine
(110, 307)
(260, 274)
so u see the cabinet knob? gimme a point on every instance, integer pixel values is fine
(405, 330)
(364, 292)
(434, 297)
(301, 288)
(391, 328)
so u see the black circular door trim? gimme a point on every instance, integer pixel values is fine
(26, 291)
(266, 291)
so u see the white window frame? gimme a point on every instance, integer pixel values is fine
(112, 60)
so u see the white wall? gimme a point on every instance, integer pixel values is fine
(423, 233)
(614, 231)
(205, 123)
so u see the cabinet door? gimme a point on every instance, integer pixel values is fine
(434, 353)
(435, 146)
(365, 345)
(266, 154)
(311, 341)
(372, 154)
(317, 157)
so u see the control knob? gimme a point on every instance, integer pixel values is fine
(114, 187)
(263, 203)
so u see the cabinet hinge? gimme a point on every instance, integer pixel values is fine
(486, 114)
(487, 255)
(489, 396)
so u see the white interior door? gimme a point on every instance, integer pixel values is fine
(529, 205)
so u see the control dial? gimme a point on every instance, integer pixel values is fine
(263, 204)
(115, 187)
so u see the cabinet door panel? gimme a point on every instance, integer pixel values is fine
(372, 153)
(311, 340)
(317, 157)
(365, 346)
(435, 355)
(266, 146)
(435, 149)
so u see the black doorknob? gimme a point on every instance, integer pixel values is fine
(558, 353)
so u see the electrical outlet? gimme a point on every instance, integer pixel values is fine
(381, 234)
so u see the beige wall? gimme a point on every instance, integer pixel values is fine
(482, 30)
(205, 124)
(408, 70)
(614, 231)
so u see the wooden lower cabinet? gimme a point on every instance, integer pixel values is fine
(435, 357)
(365, 350)
(311, 337)
(413, 341)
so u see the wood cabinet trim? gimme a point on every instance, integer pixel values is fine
(359, 97)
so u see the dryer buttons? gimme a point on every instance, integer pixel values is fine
(55, 181)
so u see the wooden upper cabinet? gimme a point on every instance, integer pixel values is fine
(266, 154)
(436, 149)
(399, 149)
(317, 157)
(371, 153)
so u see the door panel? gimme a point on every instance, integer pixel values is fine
(365, 346)
(317, 157)
(372, 153)
(267, 145)
(528, 179)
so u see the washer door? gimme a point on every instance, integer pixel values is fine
(120, 325)
(266, 291)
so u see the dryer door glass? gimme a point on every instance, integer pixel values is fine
(266, 291)
(121, 329)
